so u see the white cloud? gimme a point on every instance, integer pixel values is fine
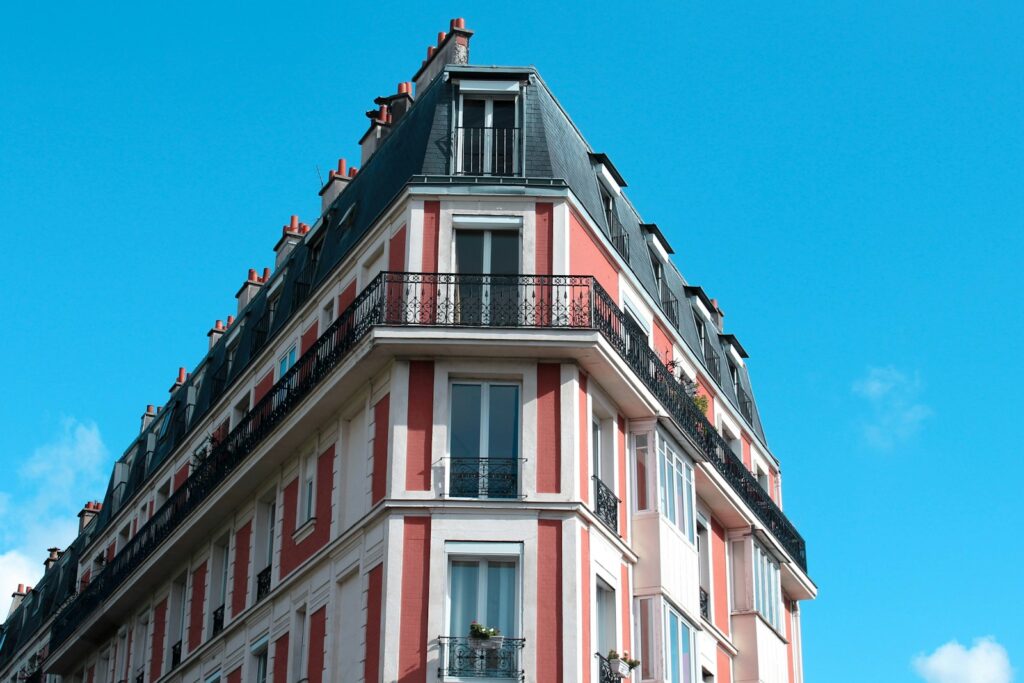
(896, 413)
(39, 502)
(985, 662)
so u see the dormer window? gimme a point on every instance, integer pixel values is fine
(487, 138)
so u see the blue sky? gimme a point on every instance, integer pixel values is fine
(844, 178)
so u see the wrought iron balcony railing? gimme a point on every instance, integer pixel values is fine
(670, 304)
(432, 299)
(705, 604)
(218, 620)
(606, 504)
(464, 658)
(619, 237)
(745, 404)
(483, 477)
(487, 151)
(262, 584)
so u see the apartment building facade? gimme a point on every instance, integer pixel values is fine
(474, 392)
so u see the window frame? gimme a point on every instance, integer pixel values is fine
(482, 552)
(690, 675)
(484, 417)
(681, 501)
(488, 98)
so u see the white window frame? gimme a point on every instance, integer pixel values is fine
(668, 612)
(469, 551)
(485, 408)
(286, 361)
(488, 96)
(767, 588)
(306, 498)
(682, 502)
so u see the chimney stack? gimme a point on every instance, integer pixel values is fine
(291, 235)
(91, 509)
(16, 598)
(337, 182)
(380, 124)
(55, 554)
(147, 417)
(399, 103)
(452, 48)
(215, 332)
(248, 289)
(719, 315)
(179, 380)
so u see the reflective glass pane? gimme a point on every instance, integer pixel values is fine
(505, 252)
(469, 251)
(465, 421)
(503, 427)
(465, 597)
(501, 596)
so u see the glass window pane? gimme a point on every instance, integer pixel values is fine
(473, 112)
(504, 113)
(466, 410)
(505, 252)
(689, 501)
(640, 456)
(503, 422)
(501, 596)
(464, 597)
(673, 649)
(469, 251)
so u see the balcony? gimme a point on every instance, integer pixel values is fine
(487, 151)
(606, 505)
(462, 658)
(483, 477)
(618, 236)
(262, 584)
(670, 304)
(431, 300)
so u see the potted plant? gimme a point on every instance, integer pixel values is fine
(621, 665)
(485, 637)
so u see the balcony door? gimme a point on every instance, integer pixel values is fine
(484, 441)
(487, 136)
(487, 261)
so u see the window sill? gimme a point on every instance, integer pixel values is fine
(304, 530)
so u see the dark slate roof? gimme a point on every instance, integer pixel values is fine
(416, 146)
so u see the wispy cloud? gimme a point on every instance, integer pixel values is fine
(985, 661)
(39, 501)
(896, 412)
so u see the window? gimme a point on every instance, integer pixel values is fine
(734, 376)
(484, 591)
(487, 137)
(606, 622)
(307, 489)
(327, 314)
(272, 308)
(767, 587)
(492, 248)
(676, 491)
(678, 648)
(701, 330)
(240, 411)
(286, 362)
(178, 613)
(231, 357)
(608, 206)
(704, 557)
(261, 666)
(484, 443)
(640, 455)
(219, 585)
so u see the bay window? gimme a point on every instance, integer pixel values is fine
(484, 440)
(676, 487)
(679, 660)
(767, 590)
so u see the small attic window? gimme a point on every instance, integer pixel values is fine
(488, 129)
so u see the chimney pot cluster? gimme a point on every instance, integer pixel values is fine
(89, 511)
(337, 182)
(252, 284)
(291, 234)
(452, 48)
(182, 376)
(52, 558)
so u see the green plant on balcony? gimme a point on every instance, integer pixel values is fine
(485, 637)
(701, 401)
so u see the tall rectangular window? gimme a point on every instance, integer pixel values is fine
(640, 463)
(307, 488)
(767, 591)
(484, 443)
(679, 661)
(676, 489)
(286, 361)
(484, 591)
(261, 666)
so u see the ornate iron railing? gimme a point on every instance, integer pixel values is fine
(218, 620)
(619, 238)
(745, 404)
(670, 304)
(605, 672)
(176, 654)
(432, 299)
(262, 584)
(487, 151)
(606, 504)
(483, 477)
(705, 604)
(464, 658)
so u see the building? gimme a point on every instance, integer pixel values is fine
(475, 388)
